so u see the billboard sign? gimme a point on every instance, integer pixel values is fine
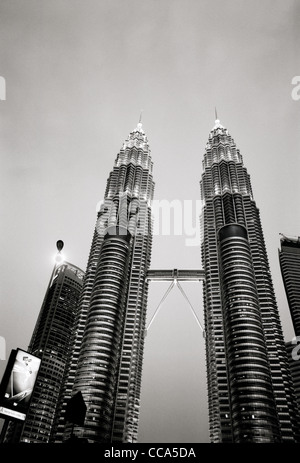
(17, 384)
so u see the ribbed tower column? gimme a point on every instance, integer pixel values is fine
(99, 356)
(253, 409)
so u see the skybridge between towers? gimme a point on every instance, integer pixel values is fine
(175, 276)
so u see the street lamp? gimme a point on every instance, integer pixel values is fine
(58, 260)
(59, 257)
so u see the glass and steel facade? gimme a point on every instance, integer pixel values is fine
(289, 258)
(244, 336)
(106, 366)
(253, 411)
(293, 350)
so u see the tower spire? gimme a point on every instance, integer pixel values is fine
(217, 121)
(140, 119)
(140, 125)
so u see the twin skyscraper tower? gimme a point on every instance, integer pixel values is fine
(250, 390)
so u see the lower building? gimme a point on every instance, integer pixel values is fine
(289, 259)
(293, 351)
(50, 342)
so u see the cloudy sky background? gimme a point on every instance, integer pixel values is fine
(78, 72)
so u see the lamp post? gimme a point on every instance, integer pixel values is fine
(58, 259)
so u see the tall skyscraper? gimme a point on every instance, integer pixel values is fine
(249, 381)
(289, 258)
(293, 351)
(51, 342)
(107, 361)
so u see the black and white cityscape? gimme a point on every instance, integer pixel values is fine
(151, 234)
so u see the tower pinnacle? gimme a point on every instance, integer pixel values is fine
(217, 121)
(140, 125)
(140, 120)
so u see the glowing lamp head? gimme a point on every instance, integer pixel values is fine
(59, 258)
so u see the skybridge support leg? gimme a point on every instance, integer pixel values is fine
(174, 276)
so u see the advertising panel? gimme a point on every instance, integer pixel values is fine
(17, 384)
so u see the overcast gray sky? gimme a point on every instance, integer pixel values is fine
(77, 74)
